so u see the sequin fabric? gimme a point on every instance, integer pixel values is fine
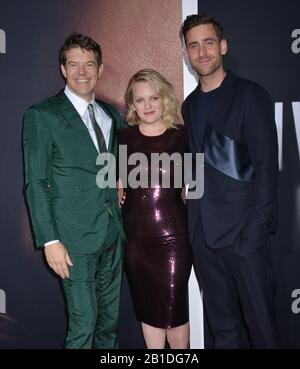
(158, 254)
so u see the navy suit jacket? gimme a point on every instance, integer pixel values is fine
(240, 165)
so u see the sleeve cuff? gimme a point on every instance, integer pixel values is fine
(50, 242)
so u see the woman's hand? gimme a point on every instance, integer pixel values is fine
(121, 193)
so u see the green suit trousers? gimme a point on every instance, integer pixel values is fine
(93, 292)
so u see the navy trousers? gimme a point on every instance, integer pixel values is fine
(238, 292)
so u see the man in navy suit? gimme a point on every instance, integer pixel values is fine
(231, 120)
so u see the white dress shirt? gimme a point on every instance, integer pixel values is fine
(103, 120)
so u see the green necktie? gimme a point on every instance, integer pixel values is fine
(97, 129)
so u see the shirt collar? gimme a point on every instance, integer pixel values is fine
(79, 104)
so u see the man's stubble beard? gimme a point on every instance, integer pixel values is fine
(201, 72)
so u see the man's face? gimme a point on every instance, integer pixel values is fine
(204, 49)
(81, 72)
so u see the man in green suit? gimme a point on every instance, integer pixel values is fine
(78, 224)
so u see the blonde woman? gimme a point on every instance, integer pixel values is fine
(158, 254)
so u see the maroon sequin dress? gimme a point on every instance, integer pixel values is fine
(158, 254)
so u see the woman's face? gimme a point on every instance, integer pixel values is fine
(147, 103)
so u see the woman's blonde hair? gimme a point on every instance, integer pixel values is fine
(162, 87)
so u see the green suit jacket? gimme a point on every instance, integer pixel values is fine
(60, 177)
